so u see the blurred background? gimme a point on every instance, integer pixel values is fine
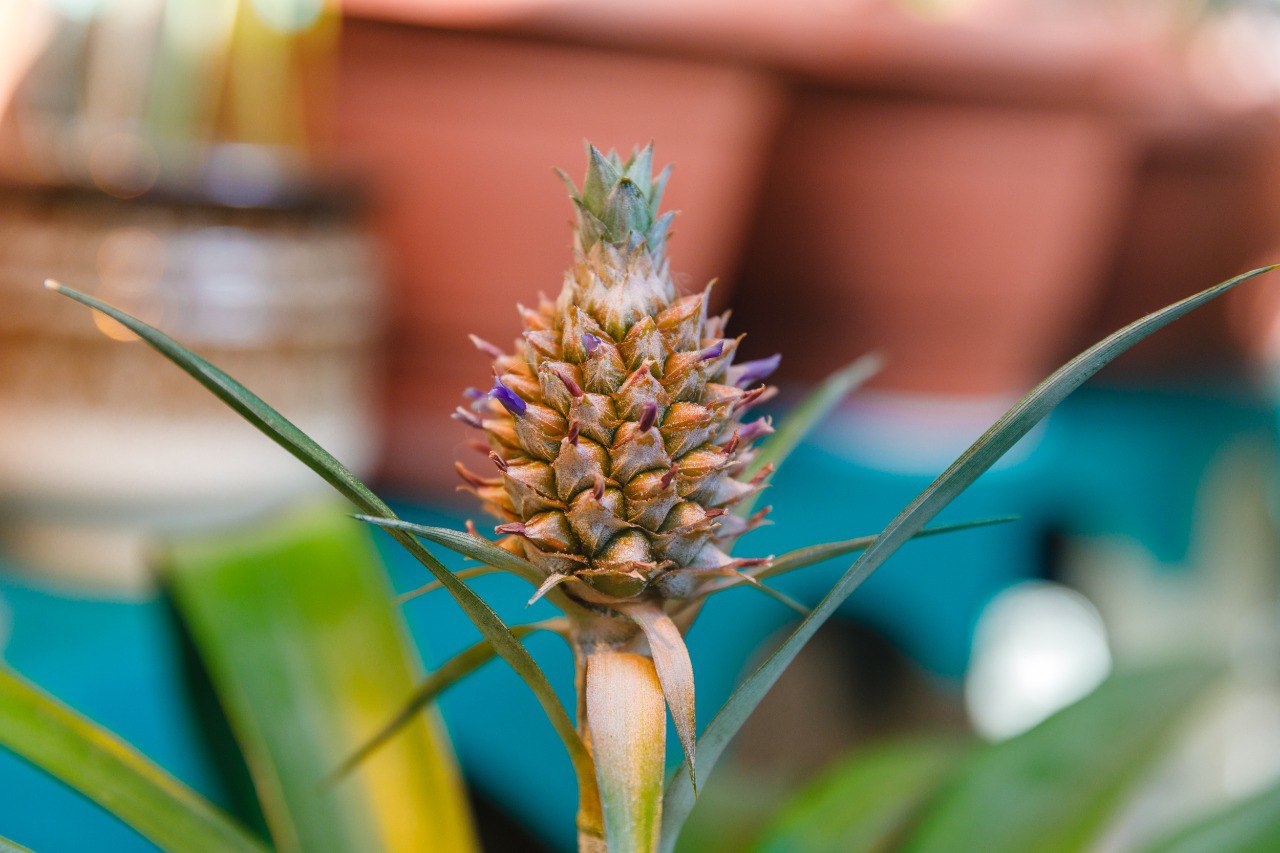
(326, 199)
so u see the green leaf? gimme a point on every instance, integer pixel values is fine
(280, 430)
(295, 625)
(461, 574)
(980, 456)
(813, 554)
(1055, 787)
(805, 416)
(478, 549)
(865, 802)
(450, 672)
(1251, 826)
(7, 846)
(113, 774)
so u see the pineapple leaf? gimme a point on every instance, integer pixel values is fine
(113, 774)
(811, 555)
(780, 597)
(1253, 824)
(292, 620)
(7, 846)
(477, 549)
(449, 673)
(461, 574)
(569, 184)
(639, 168)
(675, 670)
(625, 212)
(980, 456)
(805, 416)
(865, 801)
(657, 234)
(657, 188)
(600, 179)
(279, 429)
(1059, 785)
(474, 547)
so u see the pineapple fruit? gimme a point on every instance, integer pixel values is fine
(619, 423)
(620, 430)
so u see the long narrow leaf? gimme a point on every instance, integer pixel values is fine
(806, 415)
(1057, 786)
(474, 547)
(813, 554)
(1251, 826)
(980, 456)
(7, 846)
(477, 549)
(283, 432)
(864, 803)
(461, 574)
(294, 623)
(111, 773)
(448, 674)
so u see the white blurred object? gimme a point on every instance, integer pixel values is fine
(1222, 603)
(1038, 647)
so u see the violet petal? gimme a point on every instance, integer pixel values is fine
(714, 351)
(510, 400)
(751, 372)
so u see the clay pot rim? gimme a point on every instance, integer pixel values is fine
(284, 190)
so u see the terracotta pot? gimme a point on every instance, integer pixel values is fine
(1203, 208)
(458, 135)
(960, 238)
(102, 443)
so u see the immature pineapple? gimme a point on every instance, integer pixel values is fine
(619, 423)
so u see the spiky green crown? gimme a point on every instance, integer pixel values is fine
(618, 421)
(618, 202)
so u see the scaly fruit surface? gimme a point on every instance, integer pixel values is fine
(619, 423)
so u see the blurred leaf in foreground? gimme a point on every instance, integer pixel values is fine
(295, 624)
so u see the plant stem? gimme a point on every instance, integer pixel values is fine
(590, 818)
(622, 720)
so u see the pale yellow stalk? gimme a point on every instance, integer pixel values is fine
(626, 713)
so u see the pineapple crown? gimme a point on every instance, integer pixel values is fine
(618, 202)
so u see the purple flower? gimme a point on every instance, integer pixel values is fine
(751, 372)
(474, 394)
(714, 351)
(591, 342)
(754, 430)
(510, 400)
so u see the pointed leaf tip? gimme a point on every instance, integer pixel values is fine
(981, 455)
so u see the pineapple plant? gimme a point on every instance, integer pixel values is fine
(621, 434)
(627, 459)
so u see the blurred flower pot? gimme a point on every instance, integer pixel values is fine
(459, 134)
(102, 442)
(1204, 208)
(960, 238)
